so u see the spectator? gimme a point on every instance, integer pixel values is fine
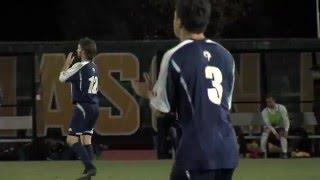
(275, 117)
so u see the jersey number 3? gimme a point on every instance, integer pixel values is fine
(215, 93)
(93, 88)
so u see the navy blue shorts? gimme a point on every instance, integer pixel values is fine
(84, 119)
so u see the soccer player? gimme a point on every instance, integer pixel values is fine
(83, 77)
(275, 117)
(196, 81)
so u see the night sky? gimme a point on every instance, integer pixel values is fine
(58, 20)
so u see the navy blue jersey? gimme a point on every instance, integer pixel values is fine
(196, 82)
(83, 77)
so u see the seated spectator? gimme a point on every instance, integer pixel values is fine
(275, 117)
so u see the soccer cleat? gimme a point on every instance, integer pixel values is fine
(87, 174)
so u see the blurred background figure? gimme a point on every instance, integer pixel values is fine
(168, 128)
(1, 96)
(275, 117)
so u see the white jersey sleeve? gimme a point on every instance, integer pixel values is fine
(160, 100)
(65, 75)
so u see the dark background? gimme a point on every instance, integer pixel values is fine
(59, 20)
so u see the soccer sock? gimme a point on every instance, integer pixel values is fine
(82, 153)
(89, 150)
(284, 144)
(263, 141)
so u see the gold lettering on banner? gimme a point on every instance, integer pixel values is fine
(53, 90)
(128, 121)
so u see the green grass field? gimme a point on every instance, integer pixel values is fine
(271, 169)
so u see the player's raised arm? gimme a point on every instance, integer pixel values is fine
(68, 62)
(66, 72)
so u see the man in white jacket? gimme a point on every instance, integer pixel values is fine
(275, 117)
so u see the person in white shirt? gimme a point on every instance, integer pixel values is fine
(276, 121)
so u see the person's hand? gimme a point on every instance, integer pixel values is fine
(68, 62)
(277, 135)
(148, 81)
(149, 85)
(140, 88)
(143, 89)
(69, 59)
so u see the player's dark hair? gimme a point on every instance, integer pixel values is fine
(89, 47)
(194, 14)
(269, 96)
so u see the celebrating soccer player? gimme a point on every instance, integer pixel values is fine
(83, 77)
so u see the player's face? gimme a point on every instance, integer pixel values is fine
(176, 25)
(79, 50)
(270, 102)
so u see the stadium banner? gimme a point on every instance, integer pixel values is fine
(122, 110)
(125, 117)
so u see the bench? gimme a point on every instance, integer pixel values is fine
(15, 123)
(249, 120)
(255, 119)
